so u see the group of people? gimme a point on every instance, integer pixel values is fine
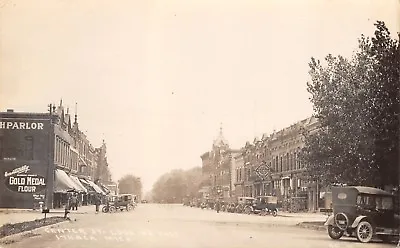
(73, 203)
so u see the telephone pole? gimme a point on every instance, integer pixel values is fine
(49, 170)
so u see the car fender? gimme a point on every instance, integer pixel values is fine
(330, 221)
(358, 220)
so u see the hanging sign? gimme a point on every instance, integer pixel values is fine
(19, 181)
(263, 171)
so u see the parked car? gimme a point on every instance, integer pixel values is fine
(231, 207)
(364, 213)
(243, 202)
(263, 205)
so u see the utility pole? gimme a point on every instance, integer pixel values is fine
(49, 170)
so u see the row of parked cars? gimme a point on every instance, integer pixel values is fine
(262, 205)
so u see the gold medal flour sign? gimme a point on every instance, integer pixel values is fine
(21, 181)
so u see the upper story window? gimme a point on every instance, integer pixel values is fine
(28, 153)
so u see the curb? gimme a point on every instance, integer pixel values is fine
(19, 211)
(312, 227)
(12, 237)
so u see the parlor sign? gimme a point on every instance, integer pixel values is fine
(21, 181)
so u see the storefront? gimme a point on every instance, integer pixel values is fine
(63, 186)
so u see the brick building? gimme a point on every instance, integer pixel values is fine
(278, 154)
(50, 149)
(217, 167)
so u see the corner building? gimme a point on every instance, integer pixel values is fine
(43, 158)
(217, 166)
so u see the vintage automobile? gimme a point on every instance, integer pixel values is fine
(110, 203)
(125, 202)
(243, 202)
(364, 213)
(263, 205)
(231, 207)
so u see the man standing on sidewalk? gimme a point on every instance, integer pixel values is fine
(74, 200)
(97, 202)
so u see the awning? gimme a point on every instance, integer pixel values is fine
(96, 188)
(87, 185)
(63, 183)
(105, 189)
(78, 183)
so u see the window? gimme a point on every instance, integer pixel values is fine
(366, 201)
(28, 148)
(384, 203)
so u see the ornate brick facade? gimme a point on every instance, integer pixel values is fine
(279, 152)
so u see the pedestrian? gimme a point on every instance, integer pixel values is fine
(97, 202)
(74, 201)
(217, 206)
(69, 201)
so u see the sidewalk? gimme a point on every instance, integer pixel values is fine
(13, 216)
(304, 215)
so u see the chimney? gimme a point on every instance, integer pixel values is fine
(10, 110)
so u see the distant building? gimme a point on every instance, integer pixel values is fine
(43, 156)
(217, 166)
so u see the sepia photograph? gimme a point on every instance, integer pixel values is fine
(199, 123)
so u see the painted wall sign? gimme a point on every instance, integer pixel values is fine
(26, 183)
(19, 181)
(21, 125)
(20, 170)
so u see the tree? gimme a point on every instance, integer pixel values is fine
(130, 184)
(174, 186)
(357, 103)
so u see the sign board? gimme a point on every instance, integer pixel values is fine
(263, 171)
(16, 125)
(21, 181)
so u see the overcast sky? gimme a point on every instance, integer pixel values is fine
(156, 78)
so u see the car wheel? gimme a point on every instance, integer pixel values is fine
(274, 213)
(335, 232)
(104, 209)
(112, 209)
(263, 212)
(364, 232)
(247, 210)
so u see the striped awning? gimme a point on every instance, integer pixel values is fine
(78, 183)
(96, 187)
(63, 183)
(86, 184)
